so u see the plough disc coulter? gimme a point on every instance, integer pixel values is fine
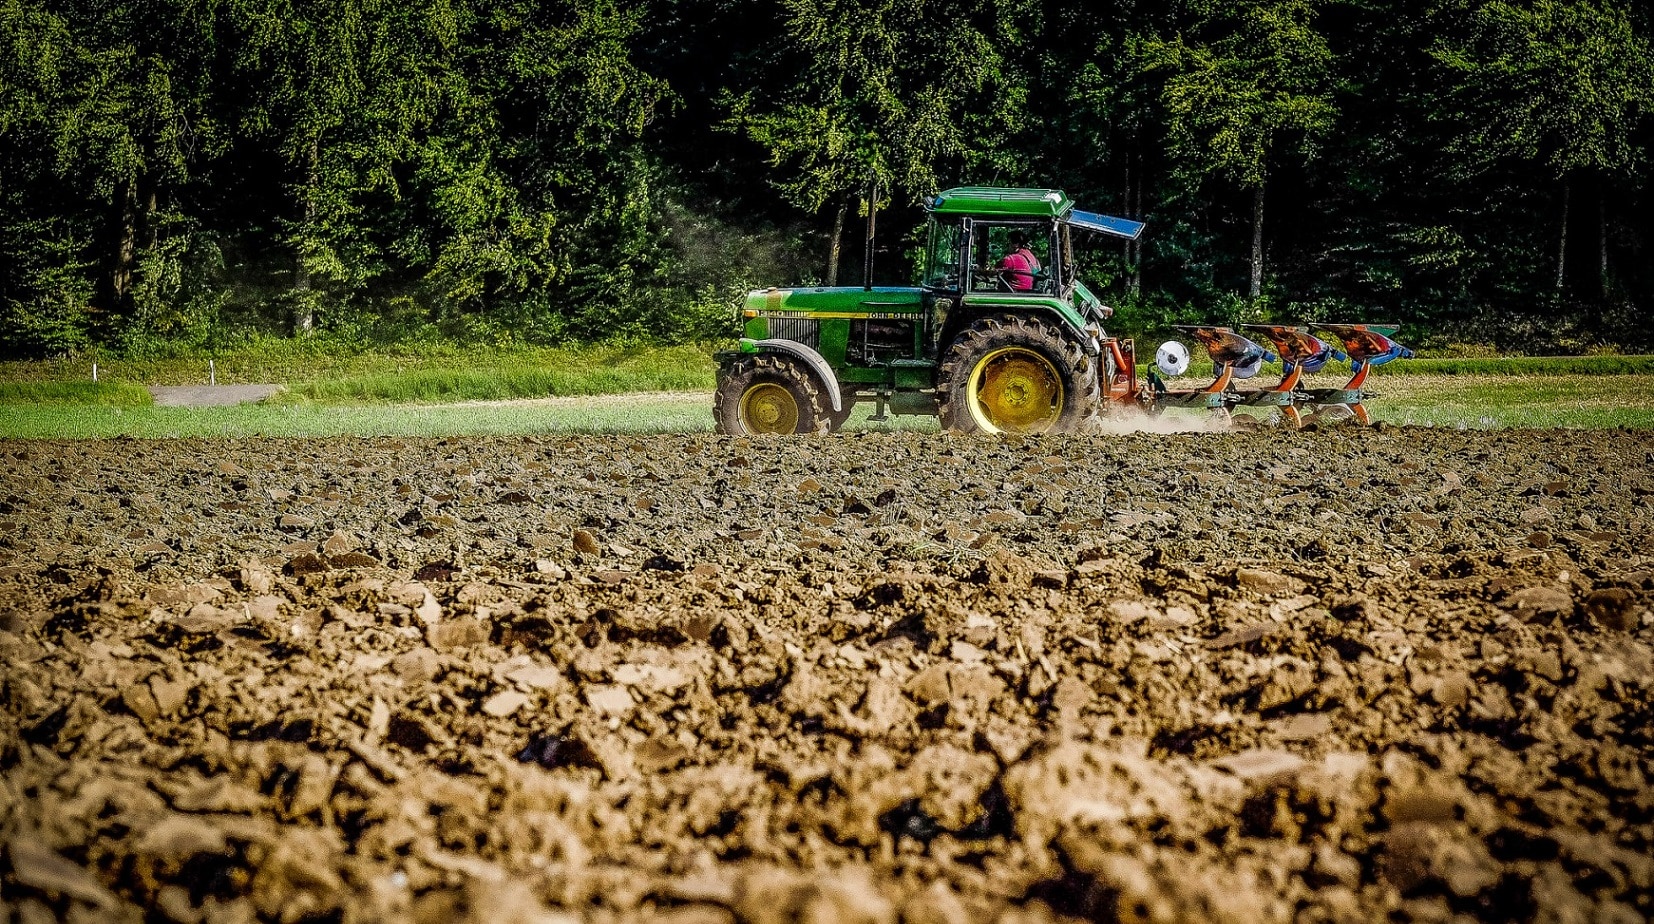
(1238, 357)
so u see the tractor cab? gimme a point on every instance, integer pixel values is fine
(972, 235)
(968, 255)
(973, 232)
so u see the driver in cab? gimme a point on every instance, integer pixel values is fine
(1020, 265)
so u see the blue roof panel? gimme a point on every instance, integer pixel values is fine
(1107, 224)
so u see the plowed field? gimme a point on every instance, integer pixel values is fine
(1348, 675)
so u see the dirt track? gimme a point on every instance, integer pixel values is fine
(876, 677)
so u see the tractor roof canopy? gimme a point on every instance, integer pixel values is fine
(1003, 202)
(993, 201)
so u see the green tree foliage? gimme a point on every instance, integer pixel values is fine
(893, 92)
(1563, 82)
(44, 291)
(177, 173)
(102, 104)
(1246, 83)
(1559, 83)
(1245, 79)
(480, 150)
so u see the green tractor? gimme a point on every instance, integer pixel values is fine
(985, 344)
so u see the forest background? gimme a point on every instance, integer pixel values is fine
(182, 176)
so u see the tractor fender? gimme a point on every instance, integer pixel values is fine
(814, 360)
(1088, 336)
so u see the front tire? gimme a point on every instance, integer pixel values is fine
(768, 393)
(836, 419)
(1017, 375)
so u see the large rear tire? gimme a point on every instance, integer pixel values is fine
(1017, 375)
(768, 393)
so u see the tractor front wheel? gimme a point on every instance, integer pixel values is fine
(768, 393)
(1017, 375)
(836, 419)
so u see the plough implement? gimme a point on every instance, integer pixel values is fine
(1236, 357)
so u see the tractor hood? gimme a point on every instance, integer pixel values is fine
(1105, 224)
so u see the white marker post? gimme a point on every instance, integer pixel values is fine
(94, 373)
(212, 373)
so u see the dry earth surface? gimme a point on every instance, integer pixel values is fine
(210, 395)
(1346, 675)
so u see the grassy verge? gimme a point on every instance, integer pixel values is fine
(1457, 366)
(1490, 401)
(107, 394)
(445, 373)
(437, 373)
(1519, 365)
(656, 413)
(596, 373)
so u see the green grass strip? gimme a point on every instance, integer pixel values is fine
(1468, 365)
(449, 385)
(640, 414)
(1506, 401)
(293, 362)
(1519, 365)
(105, 394)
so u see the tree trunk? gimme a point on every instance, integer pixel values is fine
(304, 310)
(1257, 242)
(1125, 205)
(124, 254)
(152, 226)
(1602, 239)
(1562, 239)
(872, 215)
(835, 243)
(1134, 282)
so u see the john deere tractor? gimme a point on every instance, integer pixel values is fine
(972, 344)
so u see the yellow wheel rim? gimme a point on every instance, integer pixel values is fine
(769, 408)
(1015, 390)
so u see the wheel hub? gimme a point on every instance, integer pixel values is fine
(1016, 390)
(769, 408)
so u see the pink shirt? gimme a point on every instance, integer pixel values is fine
(1021, 266)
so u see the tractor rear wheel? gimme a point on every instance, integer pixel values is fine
(1010, 374)
(768, 393)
